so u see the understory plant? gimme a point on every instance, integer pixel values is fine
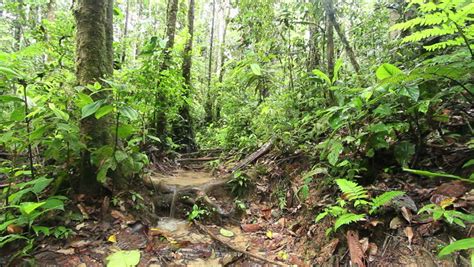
(25, 213)
(354, 204)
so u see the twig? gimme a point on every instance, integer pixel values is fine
(227, 244)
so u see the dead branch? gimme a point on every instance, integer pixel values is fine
(232, 247)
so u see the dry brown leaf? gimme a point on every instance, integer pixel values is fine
(68, 251)
(355, 249)
(452, 189)
(375, 222)
(251, 227)
(364, 243)
(14, 229)
(395, 223)
(409, 233)
(327, 251)
(406, 213)
(373, 249)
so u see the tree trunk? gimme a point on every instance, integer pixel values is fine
(160, 120)
(209, 101)
(187, 59)
(350, 53)
(125, 33)
(51, 7)
(93, 62)
(184, 130)
(313, 53)
(329, 41)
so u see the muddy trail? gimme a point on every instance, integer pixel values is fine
(187, 215)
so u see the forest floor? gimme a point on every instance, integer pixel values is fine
(153, 219)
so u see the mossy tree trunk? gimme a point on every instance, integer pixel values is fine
(94, 60)
(184, 130)
(160, 120)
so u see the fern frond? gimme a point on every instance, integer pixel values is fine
(383, 199)
(432, 32)
(347, 218)
(351, 190)
(441, 45)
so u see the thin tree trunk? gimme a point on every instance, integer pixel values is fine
(125, 33)
(51, 8)
(187, 60)
(222, 48)
(329, 41)
(342, 37)
(209, 102)
(313, 53)
(93, 62)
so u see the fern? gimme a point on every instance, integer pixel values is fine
(450, 19)
(347, 218)
(351, 190)
(383, 199)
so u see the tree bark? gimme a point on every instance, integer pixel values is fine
(160, 120)
(187, 59)
(184, 130)
(329, 41)
(209, 101)
(342, 37)
(125, 33)
(93, 62)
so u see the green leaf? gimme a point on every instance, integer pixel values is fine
(104, 110)
(336, 150)
(322, 75)
(462, 244)
(59, 113)
(9, 98)
(403, 152)
(29, 207)
(436, 174)
(469, 163)
(125, 130)
(83, 100)
(41, 229)
(387, 71)
(11, 73)
(91, 108)
(352, 190)
(337, 68)
(120, 155)
(18, 114)
(129, 112)
(226, 233)
(124, 258)
(256, 69)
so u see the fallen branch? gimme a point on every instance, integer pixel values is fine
(198, 159)
(227, 244)
(254, 156)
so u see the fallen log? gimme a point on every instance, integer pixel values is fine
(232, 247)
(254, 156)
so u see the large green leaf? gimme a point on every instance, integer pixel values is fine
(9, 98)
(462, 244)
(256, 69)
(322, 75)
(29, 207)
(59, 113)
(387, 71)
(104, 110)
(335, 151)
(91, 108)
(129, 112)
